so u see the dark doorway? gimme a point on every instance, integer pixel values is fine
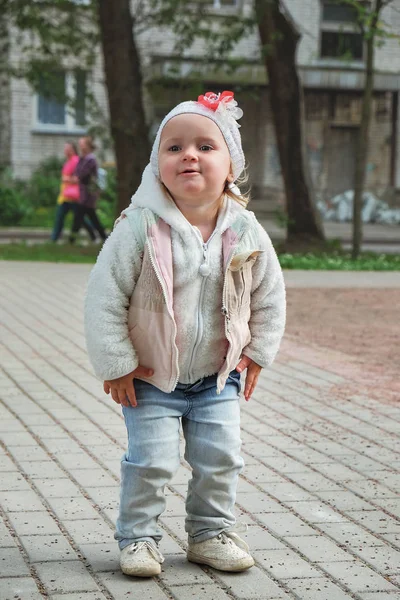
(341, 159)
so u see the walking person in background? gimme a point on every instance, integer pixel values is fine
(86, 173)
(187, 293)
(68, 198)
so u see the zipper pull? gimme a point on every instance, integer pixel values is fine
(224, 311)
(204, 268)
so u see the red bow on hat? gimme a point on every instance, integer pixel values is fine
(212, 100)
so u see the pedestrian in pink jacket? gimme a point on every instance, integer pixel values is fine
(187, 294)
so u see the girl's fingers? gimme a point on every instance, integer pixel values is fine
(143, 371)
(130, 393)
(248, 394)
(123, 397)
(114, 395)
(253, 387)
(106, 387)
(243, 364)
(247, 391)
(251, 380)
(247, 386)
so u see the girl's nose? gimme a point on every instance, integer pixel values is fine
(190, 155)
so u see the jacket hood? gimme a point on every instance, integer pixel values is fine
(151, 194)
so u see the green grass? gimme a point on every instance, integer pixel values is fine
(49, 252)
(43, 217)
(324, 261)
(340, 261)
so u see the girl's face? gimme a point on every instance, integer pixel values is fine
(194, 160)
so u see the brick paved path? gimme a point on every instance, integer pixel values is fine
(320, 491)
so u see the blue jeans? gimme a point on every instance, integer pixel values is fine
(81, 216)
(211, 426)
(61, 212)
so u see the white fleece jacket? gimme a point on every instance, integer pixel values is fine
(201, 337)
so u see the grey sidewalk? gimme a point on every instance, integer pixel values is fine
(320, 490)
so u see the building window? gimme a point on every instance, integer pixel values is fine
(340, 33)
(338, 44)
(54, 108)
(338, 13)
(51, 101)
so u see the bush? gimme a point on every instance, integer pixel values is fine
(108, 199)
(44, 185)
(106, 213)
(109, 194)
(50, 167)
(13, 206)
(13, 203)
(41, 217)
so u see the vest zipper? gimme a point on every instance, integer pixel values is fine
(224, 308)
(161, 282)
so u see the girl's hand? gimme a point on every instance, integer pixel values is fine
(253, 372)
(122, 389)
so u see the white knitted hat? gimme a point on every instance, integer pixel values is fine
(220, 108)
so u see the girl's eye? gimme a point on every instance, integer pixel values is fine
(205, 148)
(174, 149)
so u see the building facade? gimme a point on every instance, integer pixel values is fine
(331, 61)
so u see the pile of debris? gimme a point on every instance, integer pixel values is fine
(340, 208)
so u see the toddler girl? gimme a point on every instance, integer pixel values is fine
(186, 294)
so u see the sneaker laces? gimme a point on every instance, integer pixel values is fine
(230, 537)
(239, 527)
(154, 551)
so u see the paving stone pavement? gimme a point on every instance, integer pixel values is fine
(319, 493)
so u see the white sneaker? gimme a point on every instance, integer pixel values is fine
(226, 552)
(141, 559)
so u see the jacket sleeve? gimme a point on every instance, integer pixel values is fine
(268, 305)
(110, 286)
(86, 168)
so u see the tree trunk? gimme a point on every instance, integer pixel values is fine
(279, 39)
(125, 100)
(363, 134)
(5, 94)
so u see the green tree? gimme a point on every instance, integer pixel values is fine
(375, 32)
(5, 94)
(49, 35)
(279, 39)
(55, 34)
(125, 95)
